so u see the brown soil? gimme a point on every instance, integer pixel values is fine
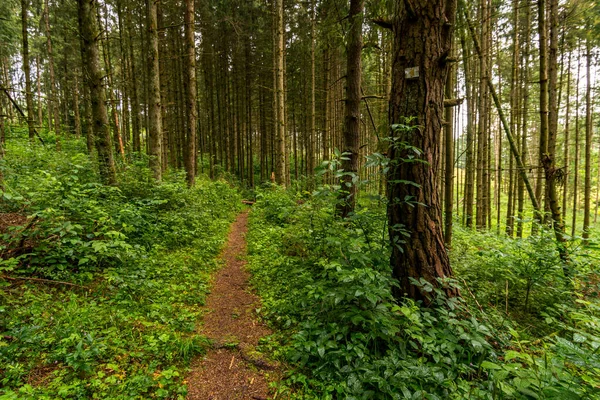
(8, 220)
(232, 369)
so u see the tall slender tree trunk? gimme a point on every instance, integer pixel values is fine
(190, 45)
(280, 123)
(470, 139)
(549, 89)
(566, 154)
(38, 71)
(135, 102)
(88, 28)
(53, 91)
(154, 98)
(514, 90)
(482, 131)
(577, 147)
(310, 159)
(349, 188)
(76, 108)
(588, 143)
(27, 69)
(449, 158)
(524, 116)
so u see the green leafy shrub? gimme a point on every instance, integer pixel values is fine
(133, 264)
(327, 283)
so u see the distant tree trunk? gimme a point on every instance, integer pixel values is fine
(349, 190)
(112, 101)
(422, 44)
(2, 141)
(588, 144)
(449, 158)
(135, 102)
(53, 91)
(88, 28)
(566, 154)
(576, 156)
(76, 109)
(27, 70)
(524, 116)
(38, 68)
(311, 149)
(469, 159)
(543, 131)
(326, 94)
(154, 97)
(514, 90)
(190, 45)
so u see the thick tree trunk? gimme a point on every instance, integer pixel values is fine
(348, 189)
(422, 43)
(88, 28)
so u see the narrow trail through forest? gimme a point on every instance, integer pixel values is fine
(232, 369)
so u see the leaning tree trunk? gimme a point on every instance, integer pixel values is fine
(422, 43)
(88, 29)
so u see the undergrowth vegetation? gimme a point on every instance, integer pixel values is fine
(521, 330)
(99, 286)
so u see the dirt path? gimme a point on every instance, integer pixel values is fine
(232, 369)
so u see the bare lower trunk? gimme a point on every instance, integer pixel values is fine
(88, 27)
(27, 70)
(190, 160)
(352, 117)
(154, 98)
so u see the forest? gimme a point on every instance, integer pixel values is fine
(299, 199)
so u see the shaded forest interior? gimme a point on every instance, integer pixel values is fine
(417, 165)
(258, 89)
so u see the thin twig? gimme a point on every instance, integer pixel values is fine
(10, 278)
(472, 295)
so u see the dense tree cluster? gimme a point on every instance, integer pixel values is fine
(501, 96)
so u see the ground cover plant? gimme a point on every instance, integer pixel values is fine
(100, 285)
(326, 284)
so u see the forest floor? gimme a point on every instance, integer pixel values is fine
(233, 368)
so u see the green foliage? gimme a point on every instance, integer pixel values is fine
(132, 264)
(530, 268)
(327, 284)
